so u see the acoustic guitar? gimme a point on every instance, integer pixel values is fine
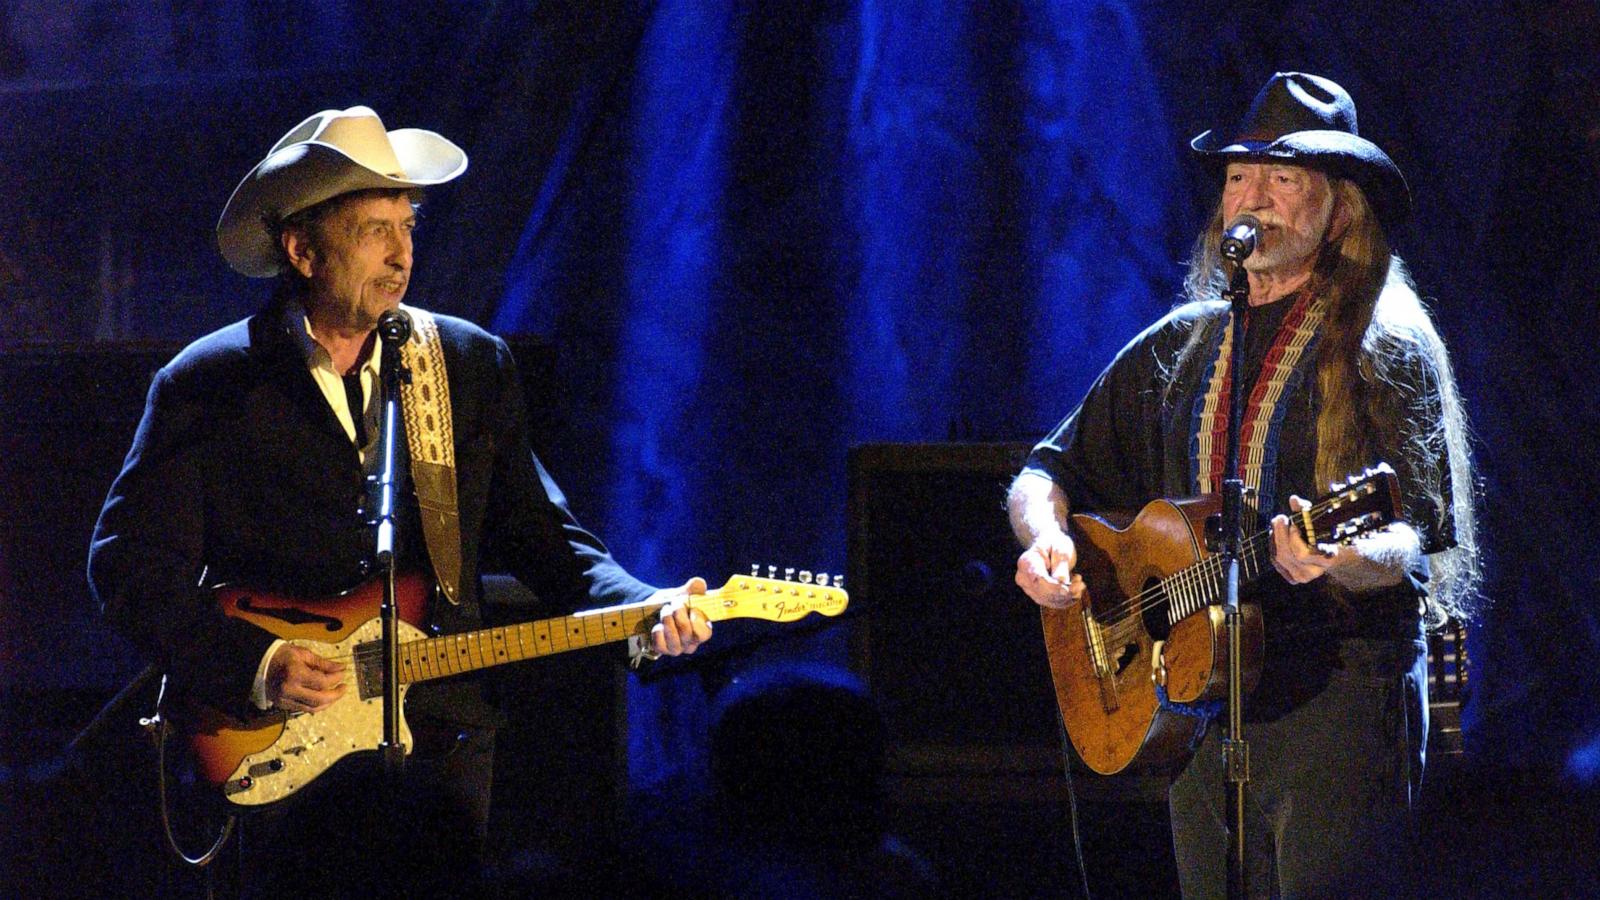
(270, 756)
(1150, 625)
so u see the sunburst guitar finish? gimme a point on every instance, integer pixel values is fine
(268, 757)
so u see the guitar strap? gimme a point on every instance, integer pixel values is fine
(1283, 370)
(425, 404)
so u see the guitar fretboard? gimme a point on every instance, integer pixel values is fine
(1191, 589)
(456, 654)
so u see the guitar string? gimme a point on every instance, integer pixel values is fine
(1205, 578)
(1209, 566)
(366, 650)
(1125, 618)
(1201, 574)
(1128, 616)
(371, 648)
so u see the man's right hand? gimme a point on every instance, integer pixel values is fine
(301, 681)
(1044, 571)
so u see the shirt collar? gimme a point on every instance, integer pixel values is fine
(297, 324)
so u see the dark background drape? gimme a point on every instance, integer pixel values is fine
(757, 234)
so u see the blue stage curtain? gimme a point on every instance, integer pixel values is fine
(768, 233)
(757, 234)
(851, 223)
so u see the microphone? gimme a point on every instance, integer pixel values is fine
(1239, 238)
(394, 327)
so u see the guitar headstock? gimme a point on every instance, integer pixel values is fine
(1366, 502)
(795, 596)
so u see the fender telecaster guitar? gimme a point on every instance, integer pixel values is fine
(1149, 620)
(268, 757)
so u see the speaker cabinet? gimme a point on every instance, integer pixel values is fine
(950, 646)
(953, 652)
(70, 413)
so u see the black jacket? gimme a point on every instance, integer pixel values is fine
(240, 473)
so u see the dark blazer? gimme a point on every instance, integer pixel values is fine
(240, 472)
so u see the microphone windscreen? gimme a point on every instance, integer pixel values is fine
(394, 326)
(1239, 238)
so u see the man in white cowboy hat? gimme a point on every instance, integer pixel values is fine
(252, 466)
(1342, 368)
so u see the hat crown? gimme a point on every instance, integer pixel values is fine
(356, 132)
(1295, 101)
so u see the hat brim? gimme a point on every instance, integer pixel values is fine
(302, 175)
(1338, 153)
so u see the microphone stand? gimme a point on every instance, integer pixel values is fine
(394, 328)
(1235, 750)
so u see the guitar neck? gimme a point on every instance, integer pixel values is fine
(1204, 583)
(457, 654)
(1367, 502)
(741, 597)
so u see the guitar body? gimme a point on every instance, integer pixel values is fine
(269, 756)
(1102, 656)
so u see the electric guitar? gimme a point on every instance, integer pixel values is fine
(270, 756)
(1150, 624)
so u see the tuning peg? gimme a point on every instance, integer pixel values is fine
(755, 570)
(838, 581)
(788, 573)
(805, 576)
(772, 571)
(822, 578)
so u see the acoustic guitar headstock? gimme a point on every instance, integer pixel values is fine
(1364, 503)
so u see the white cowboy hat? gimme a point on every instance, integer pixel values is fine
(334, 152)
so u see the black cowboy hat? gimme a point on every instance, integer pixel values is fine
(1309, 120)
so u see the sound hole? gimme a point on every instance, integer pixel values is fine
(1129, 651)
(1154, 615)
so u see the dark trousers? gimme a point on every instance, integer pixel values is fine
(1333, 783)
(357, 832)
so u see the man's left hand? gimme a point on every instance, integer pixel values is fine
(681, 629)
(1297, 561)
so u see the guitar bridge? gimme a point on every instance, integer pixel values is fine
(1094, 636)
(369, 669)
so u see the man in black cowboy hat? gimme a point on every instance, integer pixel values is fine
(1342, 368)
(252, 466)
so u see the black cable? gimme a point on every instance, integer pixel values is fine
(159, 723)
(1072, 806)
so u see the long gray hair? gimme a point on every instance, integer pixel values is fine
(1376, 323)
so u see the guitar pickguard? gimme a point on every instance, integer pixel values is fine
(311, 743)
